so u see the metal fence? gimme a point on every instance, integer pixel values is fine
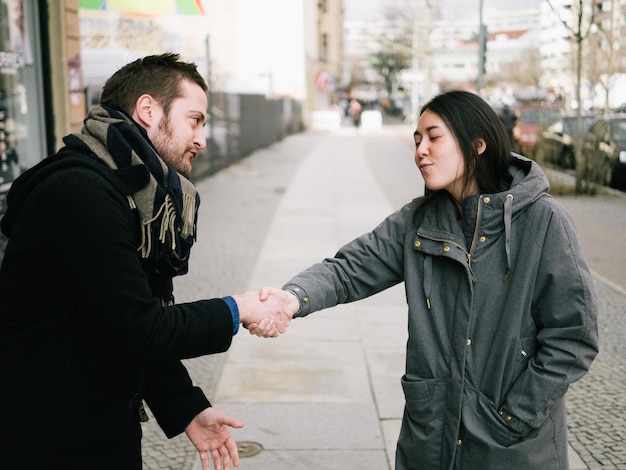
(239, 124)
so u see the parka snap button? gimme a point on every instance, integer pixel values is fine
(468, 342)
(487, 199)
(446, 249)
(416, 244)
(305, 300)
(483, 239)
(459, 442)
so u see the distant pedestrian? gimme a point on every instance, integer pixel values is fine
(502, 307)
(509, 119)
(88, 324)
(355, 111)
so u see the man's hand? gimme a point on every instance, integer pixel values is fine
(270, 315)
(209, 434)
(290, 303)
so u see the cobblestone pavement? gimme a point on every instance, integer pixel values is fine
(596, 404)
(237, 207)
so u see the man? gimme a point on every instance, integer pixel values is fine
(88, 326)
(508, 118)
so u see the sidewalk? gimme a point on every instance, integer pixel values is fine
(327, 394)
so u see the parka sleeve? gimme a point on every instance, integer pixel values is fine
(363, 267)
(565, 311)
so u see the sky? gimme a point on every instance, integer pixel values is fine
(372, 9)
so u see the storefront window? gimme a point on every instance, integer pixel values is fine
(21, 130)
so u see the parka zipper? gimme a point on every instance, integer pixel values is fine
(468, 255)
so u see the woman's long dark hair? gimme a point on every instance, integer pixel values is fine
(471, 118)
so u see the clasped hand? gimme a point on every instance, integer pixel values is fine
(267, 312)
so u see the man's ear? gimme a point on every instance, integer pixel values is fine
(145, 112)
(481, 146)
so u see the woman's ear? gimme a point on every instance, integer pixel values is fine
(481, 146)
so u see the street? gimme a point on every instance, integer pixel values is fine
(237, 211)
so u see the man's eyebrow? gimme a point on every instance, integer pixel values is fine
(197, 111)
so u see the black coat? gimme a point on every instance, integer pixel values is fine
(83, 337)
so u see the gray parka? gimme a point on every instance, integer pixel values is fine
(501, 320)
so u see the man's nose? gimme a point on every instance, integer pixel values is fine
(200, 139)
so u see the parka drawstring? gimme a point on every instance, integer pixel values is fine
(508, 211)
(428, 278)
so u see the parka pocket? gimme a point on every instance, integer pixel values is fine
(422, 425)
(483, 422)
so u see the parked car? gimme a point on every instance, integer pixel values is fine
(605, 151)
(556, 139)
(530, 117)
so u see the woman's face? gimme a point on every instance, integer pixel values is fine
(438, 155)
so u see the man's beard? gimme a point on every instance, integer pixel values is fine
(167, 149)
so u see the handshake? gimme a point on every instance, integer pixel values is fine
(266, 312)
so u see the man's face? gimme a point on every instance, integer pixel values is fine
(180, 135)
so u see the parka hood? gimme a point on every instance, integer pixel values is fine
(529, 181)
(494, 215)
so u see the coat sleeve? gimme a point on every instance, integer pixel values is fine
(98, 269)
(565, 311)
(83, 311)
(172, 397)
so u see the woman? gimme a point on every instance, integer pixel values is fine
(502, 309)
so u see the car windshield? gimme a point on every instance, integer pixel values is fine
(618, 130)
(537, 115)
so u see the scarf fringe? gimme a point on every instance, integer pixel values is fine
(166, 206)
(165, 219)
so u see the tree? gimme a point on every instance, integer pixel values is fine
(406, 45)
(604, 69)
(583, 15)
(394, 53)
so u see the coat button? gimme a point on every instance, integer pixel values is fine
(468, 342)
(487, 199)
(483, 239)
(446, 249)
(417, 244)
(459, 442)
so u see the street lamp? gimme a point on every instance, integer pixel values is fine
(482, 48)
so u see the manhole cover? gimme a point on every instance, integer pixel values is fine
(248, 448)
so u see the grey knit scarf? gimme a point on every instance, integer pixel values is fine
(167, 205)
